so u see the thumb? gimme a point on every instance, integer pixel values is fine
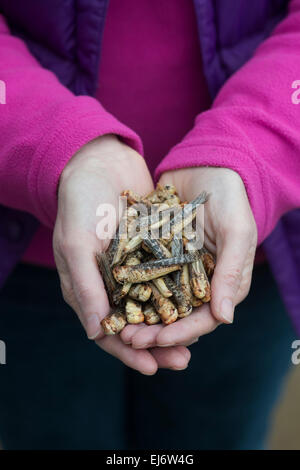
(232, 276)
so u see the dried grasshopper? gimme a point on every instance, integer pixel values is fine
(150, 314)
(152, 275)
(208, 261)
(165, 308)
(114, 322)
(199, 281)
(134, 313)
(152, 269)
(140, 292)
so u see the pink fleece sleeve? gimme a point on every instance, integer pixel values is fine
(253, 127)
(42, 125)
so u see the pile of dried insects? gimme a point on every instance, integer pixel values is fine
(152, 274)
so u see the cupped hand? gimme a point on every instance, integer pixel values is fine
(96, 175)
(230, 233)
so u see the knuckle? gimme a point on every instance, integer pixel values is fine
(232, 278)
(83, 293)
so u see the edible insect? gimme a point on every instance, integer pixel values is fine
(114, 322)
(140, 292)
(182, 300)
(107, 276)
(121, 291)
(165, 308)
(134, 312)
(161, 285)
(152, 270)
(208, 262)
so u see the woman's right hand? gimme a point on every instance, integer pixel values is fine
(95, 175)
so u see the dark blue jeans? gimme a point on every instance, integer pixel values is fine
(58, 390)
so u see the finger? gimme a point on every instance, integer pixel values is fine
(175, 358)
(129, 331)
(146, 337)
(232, 254)
(88, 289)
(140, 360)
(187, 329)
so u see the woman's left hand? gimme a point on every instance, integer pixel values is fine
(230, 233)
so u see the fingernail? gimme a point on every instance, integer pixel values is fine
(227, 310)
(165, 345)
(93, 327)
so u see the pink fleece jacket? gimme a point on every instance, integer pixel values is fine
(252, 126)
